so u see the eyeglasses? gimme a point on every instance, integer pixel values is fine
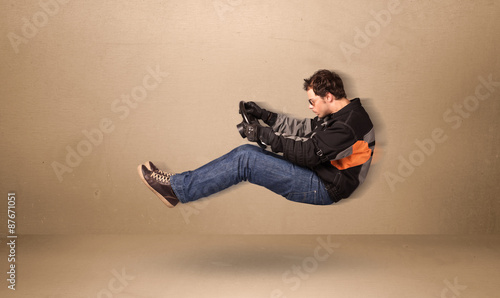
(311, 102)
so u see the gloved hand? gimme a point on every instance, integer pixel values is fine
(256, 132)
(253, 109)
(252, 131)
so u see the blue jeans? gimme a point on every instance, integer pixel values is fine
(255, 165)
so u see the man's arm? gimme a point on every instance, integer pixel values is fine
(280, 123)
(292, 127)
(309, 152)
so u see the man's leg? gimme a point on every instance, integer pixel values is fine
(251, 163)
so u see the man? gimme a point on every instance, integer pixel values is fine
(324, 159)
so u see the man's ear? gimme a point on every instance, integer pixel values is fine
(330, 98)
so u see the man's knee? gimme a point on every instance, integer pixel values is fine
(247, 150)
(248, 147)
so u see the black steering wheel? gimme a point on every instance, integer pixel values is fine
(248, 119)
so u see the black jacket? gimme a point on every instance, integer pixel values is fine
(338, 148)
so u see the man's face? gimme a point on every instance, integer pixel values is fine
(318, 104)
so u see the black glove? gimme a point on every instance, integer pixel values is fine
(254, 109)
(256, 132)
(268, 117)
(252, 131)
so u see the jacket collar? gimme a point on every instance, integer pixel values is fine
(354, 104)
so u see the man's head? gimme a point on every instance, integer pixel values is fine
(325, 90)
(324, 81)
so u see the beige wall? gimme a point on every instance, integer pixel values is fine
(420, 67)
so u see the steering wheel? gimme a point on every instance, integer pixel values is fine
(248, 119)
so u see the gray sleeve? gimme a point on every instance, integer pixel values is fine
(292, 127)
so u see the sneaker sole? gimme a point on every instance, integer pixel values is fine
(165, 201)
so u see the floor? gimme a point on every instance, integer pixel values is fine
(149, 266)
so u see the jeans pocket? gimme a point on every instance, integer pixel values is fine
(308, 197)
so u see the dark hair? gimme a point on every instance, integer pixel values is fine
(324, 81)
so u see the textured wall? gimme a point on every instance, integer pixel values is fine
(90, 89)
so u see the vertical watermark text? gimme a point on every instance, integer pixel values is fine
(11, 240)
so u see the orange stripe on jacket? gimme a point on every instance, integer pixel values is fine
(361, 153)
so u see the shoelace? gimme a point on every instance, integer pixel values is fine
(162, 178)
(163, 173)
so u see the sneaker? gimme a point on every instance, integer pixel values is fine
(159, 184)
